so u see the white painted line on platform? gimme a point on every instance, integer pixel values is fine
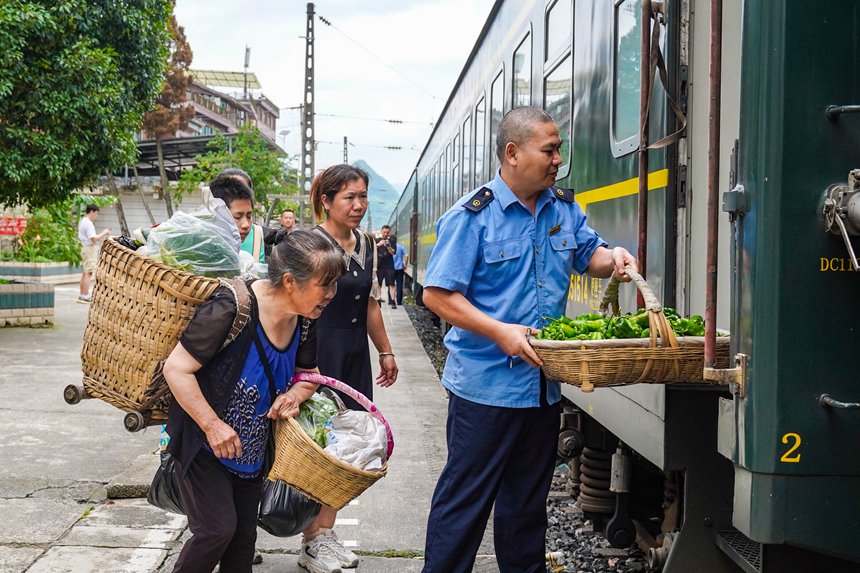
(350, 543)
(346, 521)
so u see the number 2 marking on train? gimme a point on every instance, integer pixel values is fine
(787, 457)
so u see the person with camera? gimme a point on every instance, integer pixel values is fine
(385, 249)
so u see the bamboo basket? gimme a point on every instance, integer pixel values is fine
(661, 359)
(138, 311)
(301, 463)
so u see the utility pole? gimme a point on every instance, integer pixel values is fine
(247, 63)
(308, 135)
(345, 155)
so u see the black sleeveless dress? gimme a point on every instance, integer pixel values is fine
(342, 343)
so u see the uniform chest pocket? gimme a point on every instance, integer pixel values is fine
(563, 242)
(500, 251)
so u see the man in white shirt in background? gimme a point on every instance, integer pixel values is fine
(89, 249)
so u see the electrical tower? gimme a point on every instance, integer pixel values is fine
(345, 154)
(308, 134)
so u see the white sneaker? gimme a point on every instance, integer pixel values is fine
(346, 557)
(317, 556)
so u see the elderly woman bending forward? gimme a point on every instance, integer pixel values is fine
(225, 396)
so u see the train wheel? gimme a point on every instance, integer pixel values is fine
(74, 393)
(134, 421)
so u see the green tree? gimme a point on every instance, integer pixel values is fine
(248, 150)
(76, 77)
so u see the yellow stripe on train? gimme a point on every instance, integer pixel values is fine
(656, 180)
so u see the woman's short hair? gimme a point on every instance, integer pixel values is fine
(305, 255)
(331, 180)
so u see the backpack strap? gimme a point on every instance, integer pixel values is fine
(258, 243)
(243, 307)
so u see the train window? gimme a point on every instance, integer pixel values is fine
(455, 170)
(480, 135)
(522, 73)
(557, 103)
(497, 110)
(625, 82)
(466, 163)
(558, 29)
(443, 179)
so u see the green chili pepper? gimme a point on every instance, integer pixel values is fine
(589, 316)
(626, 328)
(646, 333)
(596, 336)
(642, 319)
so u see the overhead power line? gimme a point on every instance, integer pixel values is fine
(396, 121)
(386, 64)
(390, 147)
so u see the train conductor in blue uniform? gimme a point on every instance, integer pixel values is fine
(500, 270)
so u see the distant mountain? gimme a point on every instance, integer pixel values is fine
(381, 196)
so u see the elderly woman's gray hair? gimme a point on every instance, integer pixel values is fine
(305, 255)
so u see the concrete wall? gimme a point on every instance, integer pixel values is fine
(26, 304)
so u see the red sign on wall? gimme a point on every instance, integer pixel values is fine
(12, 225)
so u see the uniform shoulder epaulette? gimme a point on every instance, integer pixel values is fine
(479, 200)
(565, 195)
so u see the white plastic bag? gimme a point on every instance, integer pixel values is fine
(358, 439)
(204, 242)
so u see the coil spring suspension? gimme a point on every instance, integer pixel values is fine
(594, 475)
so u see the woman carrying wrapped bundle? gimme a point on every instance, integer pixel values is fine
(225, 396)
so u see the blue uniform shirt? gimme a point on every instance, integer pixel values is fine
(399, 253)
(514, 267)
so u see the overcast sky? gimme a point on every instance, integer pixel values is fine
(427, 41)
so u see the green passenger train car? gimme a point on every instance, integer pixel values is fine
(761, 476)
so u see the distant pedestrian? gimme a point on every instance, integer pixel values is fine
(385, 264)
(89, 249)
(500, 268)
(288, 221)
(401, 259)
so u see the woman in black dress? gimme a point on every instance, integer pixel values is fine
(339, 196)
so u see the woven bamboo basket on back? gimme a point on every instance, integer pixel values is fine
(661, 359)
(301, 463)
(139, 309)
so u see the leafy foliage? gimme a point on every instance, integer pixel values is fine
(75, 81)
(52, 231)
(251, 153)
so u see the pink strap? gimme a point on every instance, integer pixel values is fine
(314, 378)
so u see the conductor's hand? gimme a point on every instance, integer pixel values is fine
(285, 406)
(224, 441)
(513, 340)
(621, 258)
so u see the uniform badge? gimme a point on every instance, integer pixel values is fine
(554, 230)
(479, 200)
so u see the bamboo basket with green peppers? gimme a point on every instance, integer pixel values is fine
(655, 345)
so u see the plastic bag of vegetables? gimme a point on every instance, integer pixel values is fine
(205, 242)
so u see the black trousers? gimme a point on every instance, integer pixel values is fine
(222, 516)
(398, 280)
(496, 455)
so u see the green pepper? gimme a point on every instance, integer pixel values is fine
(589, 316)
(642, 319)
(669, 311)
(597, 335)
(626, 328)
(568, 331)
(646, 333)
(594, 325)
